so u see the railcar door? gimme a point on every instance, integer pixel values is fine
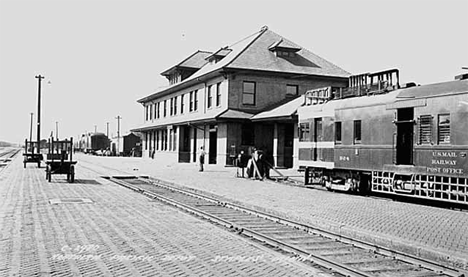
(317, 138)
(404, 137)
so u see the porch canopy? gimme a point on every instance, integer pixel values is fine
(283, 111)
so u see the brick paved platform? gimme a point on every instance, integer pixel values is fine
(436, 233)
(96, 228)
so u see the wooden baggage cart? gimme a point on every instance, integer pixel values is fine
(60, 159)
(32, 153)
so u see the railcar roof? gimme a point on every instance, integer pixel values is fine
(435, 89)
(355, 102)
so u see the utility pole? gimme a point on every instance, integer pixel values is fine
(39, 79)
(107, 130)
(118, 134)
(56, 130)
(30, 129)
(95, 128)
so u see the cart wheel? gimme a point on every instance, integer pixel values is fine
(72, 174)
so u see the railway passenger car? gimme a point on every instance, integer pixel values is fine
(376, 136)
(92, 142)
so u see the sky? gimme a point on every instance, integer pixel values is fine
(99, 57)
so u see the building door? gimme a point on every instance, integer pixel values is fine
(288, 145)
(404, 137)
(184, 144)
(213, 145)
(195, 144)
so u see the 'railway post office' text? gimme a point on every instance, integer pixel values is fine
(440, 159)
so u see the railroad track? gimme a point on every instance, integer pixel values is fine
(337, 254)
(7, 155)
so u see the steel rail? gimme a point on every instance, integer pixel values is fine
(334, 266)
(438, 269)
(314, 230)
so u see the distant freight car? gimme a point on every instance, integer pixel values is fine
(126, 145)
(376, 136)
(92, 142)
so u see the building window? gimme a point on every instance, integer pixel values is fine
(195, 100)
(444, 128)
(248, 134)
(171, 133)
(175, 105)
(292, 89)
(191, 102)
(165, 108)
(146, 141)
(248, 93)
(171, 108)
(174, 141)
(146, 113)
(158, 106)
(210, 97)
(157, 140)
(150, 140)
(164, 140)
(218, 94)
(182, 103)
(304, 131)
(338, 132)
(151, 111)
(357, 131)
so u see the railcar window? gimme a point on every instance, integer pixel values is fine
(338, 132)
(318, 134)
(304, 132)
(357, 131)
(444, 128)
(425, 129)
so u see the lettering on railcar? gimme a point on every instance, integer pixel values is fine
(444, 158)
(344, 158)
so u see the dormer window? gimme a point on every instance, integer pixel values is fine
(218, 55)
(284, 49)
(285, 54)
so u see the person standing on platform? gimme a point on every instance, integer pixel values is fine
(201, 158)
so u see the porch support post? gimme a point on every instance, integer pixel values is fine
(275, 145)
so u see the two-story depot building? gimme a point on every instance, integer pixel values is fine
(241, 96)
